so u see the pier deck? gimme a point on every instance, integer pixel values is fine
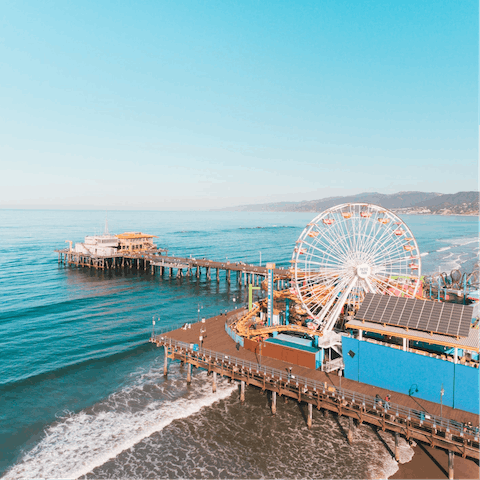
(217, 339)
(411, 417)
(154, 261)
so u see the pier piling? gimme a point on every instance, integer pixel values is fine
(450, 465)
(397, 453)
(214, 382)
(189, 373)
(242, 391)
(310, 416)
(274, 403)
(165, 363)
(350, 431)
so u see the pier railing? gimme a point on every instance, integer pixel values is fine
(312, 386)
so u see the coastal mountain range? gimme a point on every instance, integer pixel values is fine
(461, 203)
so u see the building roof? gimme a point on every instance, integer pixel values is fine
(470, 342)
(428, 316)
(133, 235)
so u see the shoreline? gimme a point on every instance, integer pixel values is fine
(432, 463)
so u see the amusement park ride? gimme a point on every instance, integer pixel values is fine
(344, 253)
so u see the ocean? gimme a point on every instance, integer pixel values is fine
(82, 393)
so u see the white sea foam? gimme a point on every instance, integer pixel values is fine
(391, 466)
(81, 442)
(464, 241)
(424, 254)
(443, 249)
(382, 464)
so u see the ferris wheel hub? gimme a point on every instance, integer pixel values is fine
(363, 270)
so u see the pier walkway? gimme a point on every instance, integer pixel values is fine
(408, 416)
(178, 266)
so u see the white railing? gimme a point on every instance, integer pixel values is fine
(332, 365)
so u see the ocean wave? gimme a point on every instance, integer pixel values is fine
(270, 227)
(443, 249)
(80, 442)
(424, 254)
(234, 440)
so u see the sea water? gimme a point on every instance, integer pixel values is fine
(82, 393)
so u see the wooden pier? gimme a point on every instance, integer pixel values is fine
(405, 415)
(155, 262)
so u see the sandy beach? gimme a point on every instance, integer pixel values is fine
(432, 463)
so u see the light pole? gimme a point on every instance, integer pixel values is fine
(260, 258)
(442, 393)
(198, 311)
(153, 327)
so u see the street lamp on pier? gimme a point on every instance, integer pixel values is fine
(442, 393)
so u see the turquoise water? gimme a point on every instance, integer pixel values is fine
(75, 363)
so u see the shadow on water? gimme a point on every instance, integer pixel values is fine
(387, 448)
(433, 459)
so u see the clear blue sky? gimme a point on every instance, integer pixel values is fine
(205, 104)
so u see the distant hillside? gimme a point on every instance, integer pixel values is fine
(406, 202)
(453, 204)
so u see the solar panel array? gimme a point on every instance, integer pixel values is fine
(444, 318)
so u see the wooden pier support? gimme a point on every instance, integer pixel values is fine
(189, 373)
(274, 403)
(350, 431)
(165, 363)
(218, 275)
(214, 382)
(228, 276)
(242, 391)
(310, 416)
(397, 453)
(450, 465)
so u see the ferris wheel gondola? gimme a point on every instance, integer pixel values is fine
(349, 250)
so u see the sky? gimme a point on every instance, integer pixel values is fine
(191, 105)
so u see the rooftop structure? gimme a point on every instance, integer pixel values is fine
(136, 241)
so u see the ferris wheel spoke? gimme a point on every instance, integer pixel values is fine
(390, 261)
(379, 240)
(339, 288)
(386, 243)
(329, 247)
(334, 255)
(396, 286)
(333, 315)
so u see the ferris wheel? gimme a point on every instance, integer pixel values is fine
(347, 251)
